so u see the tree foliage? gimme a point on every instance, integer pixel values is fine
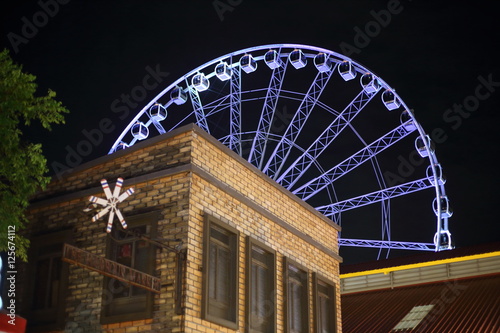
(23, 167)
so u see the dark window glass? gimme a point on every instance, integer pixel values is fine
(297, 299)
(325, 307)
(48, 281)
(47, 278)
(122, 301)
(261, 299)
(132, 252)
(221, 274)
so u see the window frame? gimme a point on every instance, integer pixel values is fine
(332, 294)
(59, 312)
(286, 279)
(107, 317)
(250, 242)
(234, 265)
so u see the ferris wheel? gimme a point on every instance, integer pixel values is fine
(324, 127)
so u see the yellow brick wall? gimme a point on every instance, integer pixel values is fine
(228, 168)
(184, 175)
(207, 198)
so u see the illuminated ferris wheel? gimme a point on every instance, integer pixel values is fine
(324, 127)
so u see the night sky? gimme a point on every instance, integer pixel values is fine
(440, 56)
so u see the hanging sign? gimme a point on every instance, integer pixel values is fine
(85, 259)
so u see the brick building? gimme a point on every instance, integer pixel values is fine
(232, 250)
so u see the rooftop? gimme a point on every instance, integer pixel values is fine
(460, 305)
(449, 291)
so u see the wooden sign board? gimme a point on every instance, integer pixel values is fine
(74, 255)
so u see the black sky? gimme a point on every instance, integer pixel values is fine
(436, 54)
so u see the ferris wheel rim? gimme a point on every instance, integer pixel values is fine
(442, 222)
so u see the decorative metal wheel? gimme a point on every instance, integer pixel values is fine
(323, 126)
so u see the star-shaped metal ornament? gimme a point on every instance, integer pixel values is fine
(111, 202)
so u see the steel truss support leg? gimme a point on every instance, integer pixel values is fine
(201, 119)
(266, 119)
(235, 111)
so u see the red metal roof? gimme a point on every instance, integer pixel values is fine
(464, 305)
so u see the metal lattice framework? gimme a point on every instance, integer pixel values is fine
(311, 118)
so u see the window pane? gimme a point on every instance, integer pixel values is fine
(220, 286)
(262, 306)
(133, 252)
(261, 316)
(297, 300)
(42, 279)
(212, 268)
(326, 307)
(119, 289)
(219, 234)
(125, 254)
(47, 281)
(221, 275)
(296, 306)
(127, 248)
(55, 280)
(222, 278)
(141, 254)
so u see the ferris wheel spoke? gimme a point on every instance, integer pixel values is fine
(217, 105)
(235, 110)
(281, 152)
(290, 176)
(386, 225)
(201, 119)
(259, 143)
(394, 245)
(317, 184)
(377, 196)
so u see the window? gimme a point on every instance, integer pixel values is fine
(50, 279)
(297, 303)
(121, 301)
(324, 307)
(261, 296)
(220, 273)
(414, 317)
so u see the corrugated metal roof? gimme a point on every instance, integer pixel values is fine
(465, 305)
